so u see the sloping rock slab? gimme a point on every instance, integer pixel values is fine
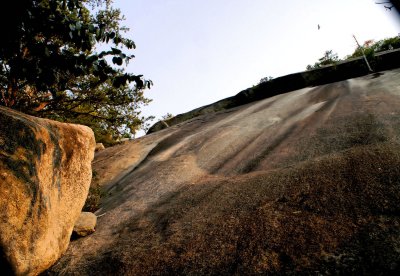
(303, 183)
(331, 73)
(45, 173)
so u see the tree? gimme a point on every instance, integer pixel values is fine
(166, 116)
(111, 112)
(370, 47)
(329, 58)
(50, 67)
(265, 79)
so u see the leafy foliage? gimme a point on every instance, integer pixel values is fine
(167, 117)
(329, 58)
(266, 79)
(50, 67)
(371, 47)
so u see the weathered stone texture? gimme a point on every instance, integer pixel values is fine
(45, 173)
(99, 147)
(304, 183)
(86, 224)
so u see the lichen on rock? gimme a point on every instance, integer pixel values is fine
(45, 173)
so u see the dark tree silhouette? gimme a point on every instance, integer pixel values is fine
(50, 65)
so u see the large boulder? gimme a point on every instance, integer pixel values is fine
(45, 174)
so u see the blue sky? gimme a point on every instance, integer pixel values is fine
(199, 51)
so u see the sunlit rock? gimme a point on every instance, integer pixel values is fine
(85, 225)
(45, 173)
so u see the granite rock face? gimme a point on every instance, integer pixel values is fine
(45, 174)
(302, 183)
(332, 73)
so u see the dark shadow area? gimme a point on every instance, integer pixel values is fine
(333, 215)
(5, 267)
(376, 75)
(396, 4)
(252, 164)
(74, 236)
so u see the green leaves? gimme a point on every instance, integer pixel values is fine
(116, 51)
(329, 58)
(92, 58)
(48, 55)
(117, 60)
(129, 44)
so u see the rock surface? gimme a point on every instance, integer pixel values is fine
(99, 146)
(342, 70)
(306, 182)
(45, 173)
(85, 224)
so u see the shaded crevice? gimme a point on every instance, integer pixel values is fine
(5, 267)
(57, 159)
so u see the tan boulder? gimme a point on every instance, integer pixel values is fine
(86, 224)
(45, 173)
(99, 146)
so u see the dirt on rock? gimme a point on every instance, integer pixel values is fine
(306, 182)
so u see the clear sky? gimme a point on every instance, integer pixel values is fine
(200, 51)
